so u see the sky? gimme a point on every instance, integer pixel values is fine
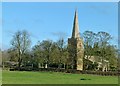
(52, 20)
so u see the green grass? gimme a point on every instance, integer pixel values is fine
(17, 77)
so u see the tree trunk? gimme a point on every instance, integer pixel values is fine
(19, 63)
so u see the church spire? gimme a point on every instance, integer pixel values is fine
(75, 32)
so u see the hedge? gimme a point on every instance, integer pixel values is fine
(108, 73)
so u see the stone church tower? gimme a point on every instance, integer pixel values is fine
(75, 46)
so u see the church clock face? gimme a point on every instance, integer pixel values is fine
(80, 44)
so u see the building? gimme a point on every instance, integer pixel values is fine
(76, 50)
(75, 45)
(102, 66)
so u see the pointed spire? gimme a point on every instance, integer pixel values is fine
(75, 32)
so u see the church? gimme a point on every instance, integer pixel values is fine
(76, 49)
(75, 46)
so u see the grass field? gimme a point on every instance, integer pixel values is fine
(17, 77)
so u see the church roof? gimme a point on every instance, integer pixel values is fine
(75, 32)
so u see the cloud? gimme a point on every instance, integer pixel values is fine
(8, 32)
(59, 34)
(38, 20)
(4, 46)
(33, 35)
(100, 9)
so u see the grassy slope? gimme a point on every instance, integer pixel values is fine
(16, 77)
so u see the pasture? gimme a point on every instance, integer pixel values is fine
(25, 77)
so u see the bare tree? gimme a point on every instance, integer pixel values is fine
(21, 42)
(103, 42)
(89, 40)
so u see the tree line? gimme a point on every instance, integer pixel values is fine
(49, 53)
